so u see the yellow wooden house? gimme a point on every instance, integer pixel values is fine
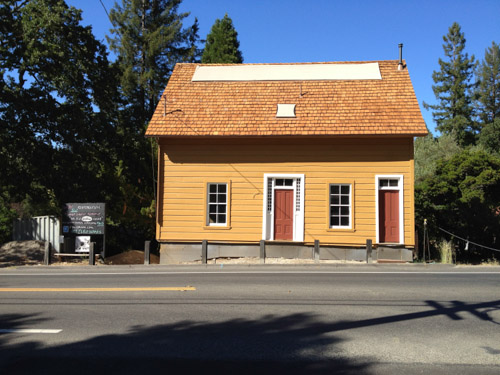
(288, 154)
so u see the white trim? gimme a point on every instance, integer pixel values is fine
(400, 188)
(298, 217)
(340, 184)
(207, 208)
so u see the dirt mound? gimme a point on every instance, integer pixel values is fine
(21, 253)
(131, 257)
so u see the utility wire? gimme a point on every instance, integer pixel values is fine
(463, 239)
(106, 11)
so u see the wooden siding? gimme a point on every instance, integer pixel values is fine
(188, 164)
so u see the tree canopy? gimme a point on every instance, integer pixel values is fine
(222, 45)
(457, 174)
(56, 104)
(72, 123)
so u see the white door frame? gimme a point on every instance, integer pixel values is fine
(400, 188)
(268, 205)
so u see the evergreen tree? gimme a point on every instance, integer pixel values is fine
(222, 45)
(149, 40)
(462, 196)
(453, 89)
(490, 137)
(488, 90)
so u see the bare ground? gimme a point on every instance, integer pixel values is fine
(31, 253)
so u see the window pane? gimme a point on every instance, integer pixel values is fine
(384, 183)
(212, 198)
(393, 182)
(334, 189)
(212, 208)
(213, 218)
(344, 221)
(222, 188)
(334, 199)
(335, 211)
(344, 210)
(221, 208)
(334, 221)
(288, 182)
(222, 198)
(344, 199)
(222, 219)
(212, 188)
(345, 189)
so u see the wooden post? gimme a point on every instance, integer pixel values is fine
(91, 254)
(46, 256)
(147, 246)
(204, 248)
(368, 251)
(262, 251)
(316, 251)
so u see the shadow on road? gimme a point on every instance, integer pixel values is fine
(292, 344)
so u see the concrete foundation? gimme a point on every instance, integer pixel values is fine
(175, 253)
(395, 253)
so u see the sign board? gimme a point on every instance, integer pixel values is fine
(84, 218)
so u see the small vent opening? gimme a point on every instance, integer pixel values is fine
(285, 110)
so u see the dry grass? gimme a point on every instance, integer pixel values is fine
(445, 249)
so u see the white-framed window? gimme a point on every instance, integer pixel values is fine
(217, 204)
(340, 206)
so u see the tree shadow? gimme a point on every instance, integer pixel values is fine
(292, 344)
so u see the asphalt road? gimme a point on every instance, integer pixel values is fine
(259, 319)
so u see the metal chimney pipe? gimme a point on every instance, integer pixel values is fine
(400, 65)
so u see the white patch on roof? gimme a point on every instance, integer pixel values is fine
(285, 110)
(292, 72)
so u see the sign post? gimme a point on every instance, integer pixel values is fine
(85, 219)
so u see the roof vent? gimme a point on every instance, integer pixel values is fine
(286, 110)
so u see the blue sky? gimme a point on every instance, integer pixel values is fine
(272, 31)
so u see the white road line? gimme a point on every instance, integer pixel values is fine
(26, 330)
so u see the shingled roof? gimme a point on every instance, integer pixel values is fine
(331, 106)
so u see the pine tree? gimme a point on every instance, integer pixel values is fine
(453, 89)
(222, 45)
(488, 90)
(149, 40)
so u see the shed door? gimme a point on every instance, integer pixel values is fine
(389, 215)
(283, 215)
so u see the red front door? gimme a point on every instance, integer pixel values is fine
(283, 214)
(389, 215)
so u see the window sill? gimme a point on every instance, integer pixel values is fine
(209, 227)
(352, 230)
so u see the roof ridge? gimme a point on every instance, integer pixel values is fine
(297, 63)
